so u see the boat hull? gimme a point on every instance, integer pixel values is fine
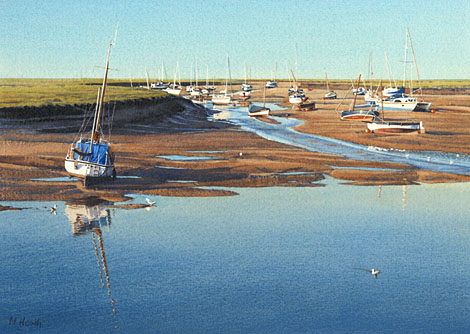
(395, 127)
(363, 115)
(92, 173)
(221, 99)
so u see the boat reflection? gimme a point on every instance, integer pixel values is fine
(86, 220)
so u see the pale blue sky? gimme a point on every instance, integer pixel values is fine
(66, 39)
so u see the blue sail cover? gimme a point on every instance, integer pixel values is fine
(98, 154)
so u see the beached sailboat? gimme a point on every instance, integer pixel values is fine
(196, 91)
(392, 90)
(246, 87)
(224, 98)
(175, 89)
(90, 157)
(394, 127)
(160, 84)
(272, 83)
(362, 112)
(297, 96)
(256, 111)
(331, 94)
(402, 101)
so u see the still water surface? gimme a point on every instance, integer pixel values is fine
(271, 260)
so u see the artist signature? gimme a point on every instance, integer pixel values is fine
(24, 322)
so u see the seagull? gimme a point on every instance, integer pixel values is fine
(53, 209)
(373, 271)
(151, 203)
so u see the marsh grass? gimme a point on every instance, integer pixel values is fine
(39, 92)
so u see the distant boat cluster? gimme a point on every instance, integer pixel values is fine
(90, 156)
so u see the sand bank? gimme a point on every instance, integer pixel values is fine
(35, 147)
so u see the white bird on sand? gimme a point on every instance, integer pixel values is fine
(53, 209)
(373, 271)
(151, 203)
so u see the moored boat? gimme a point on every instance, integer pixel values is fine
(255, 111)
(394, 127)
(90, 157)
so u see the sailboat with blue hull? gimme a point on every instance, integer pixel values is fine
(90, 157)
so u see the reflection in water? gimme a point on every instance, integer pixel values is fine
(403, 201)
(90, 220)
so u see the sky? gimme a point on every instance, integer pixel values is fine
(69, 39)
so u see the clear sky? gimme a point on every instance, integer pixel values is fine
(68, 39)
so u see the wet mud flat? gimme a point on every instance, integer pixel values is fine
(32, 152)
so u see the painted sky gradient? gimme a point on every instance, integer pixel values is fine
(67, 39)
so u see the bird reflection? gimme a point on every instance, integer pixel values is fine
(91, 220)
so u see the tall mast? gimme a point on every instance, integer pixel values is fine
(326, 78)
(95, 133)
(370, 70)
(147, 77)
(357, 89)
(275, 73)
(416, 65)
(404, 62)
(229, 74)
(389, 71)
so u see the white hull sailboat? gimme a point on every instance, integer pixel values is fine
(331, 94)
(381, 126)
(256, 111)
(224, 99)
(90, 157)
(363, 112)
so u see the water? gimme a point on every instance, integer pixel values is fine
(283, 132)
(271, 260)
(177, 157)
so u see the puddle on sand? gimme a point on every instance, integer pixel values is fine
(57, 179)
(177, 157)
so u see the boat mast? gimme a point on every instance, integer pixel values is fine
(357, 89)
(370, 70)
(404, 62)
(147, 77)
(229, 74)
(326, 78)
(389, 71)
(95, 134)
(416, 65)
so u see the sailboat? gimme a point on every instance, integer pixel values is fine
(90, 157)
(224, 98)
(160, 84)
(402, 101)
(393, 127)
(331, 94)
(254, 111)
(358, 112)
(297, 96)
(175, 89)
(196, 91)
(272, 83)
(246, 87)
(391, 91)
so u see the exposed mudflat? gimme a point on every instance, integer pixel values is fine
(33, 145)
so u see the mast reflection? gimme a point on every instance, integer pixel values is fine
(86, 220)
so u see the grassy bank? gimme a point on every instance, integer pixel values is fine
(41, 92)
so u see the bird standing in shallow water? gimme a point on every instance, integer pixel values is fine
(151, 203)
(54, 209)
